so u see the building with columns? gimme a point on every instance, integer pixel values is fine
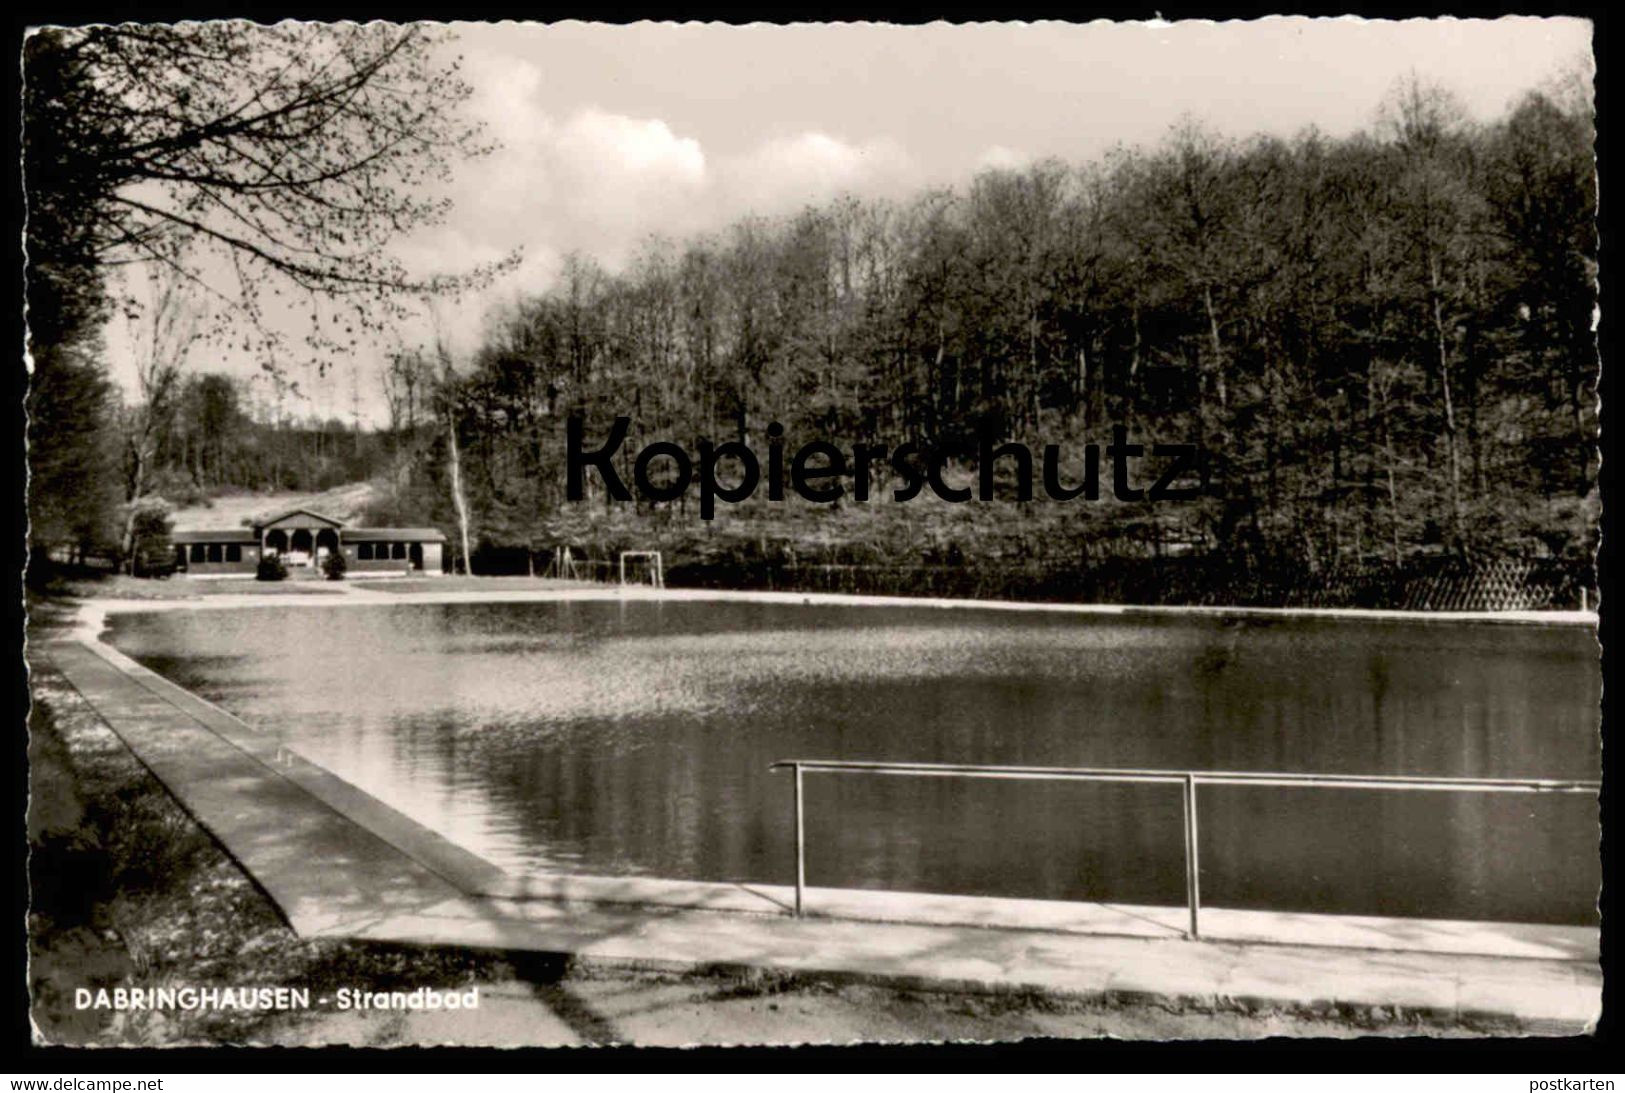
(303, 539)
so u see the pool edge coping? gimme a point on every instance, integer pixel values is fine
(479, 878)
(354, 595)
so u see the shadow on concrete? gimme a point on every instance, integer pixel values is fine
(544, 974)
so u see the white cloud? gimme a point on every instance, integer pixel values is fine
(601, 183)
(620, 178)
(630, 146)
(594, 182)
(998, 157)
(785, 173)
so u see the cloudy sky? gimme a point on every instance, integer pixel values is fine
(612, 133)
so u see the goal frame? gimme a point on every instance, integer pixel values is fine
(659, 565)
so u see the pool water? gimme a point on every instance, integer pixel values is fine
(634, 737)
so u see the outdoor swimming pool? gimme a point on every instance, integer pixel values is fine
(630, 737)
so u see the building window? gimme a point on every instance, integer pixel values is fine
(363, 552)
(397, 551)
(234, 552)
(198, 553)
(216, 552)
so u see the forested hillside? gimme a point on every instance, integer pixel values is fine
(1383, 344)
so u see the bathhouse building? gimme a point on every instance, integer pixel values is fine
(303, 539)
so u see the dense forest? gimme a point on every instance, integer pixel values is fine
(1382, 343)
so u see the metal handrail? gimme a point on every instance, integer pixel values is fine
(1188, 779)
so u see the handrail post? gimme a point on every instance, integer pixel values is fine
(801, 841)
(1193, 865)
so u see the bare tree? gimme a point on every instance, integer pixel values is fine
(167, 329)
(1425, 124)
(287, 157)
(268, 167)
(449, 402)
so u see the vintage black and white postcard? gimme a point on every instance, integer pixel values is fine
(702, 534)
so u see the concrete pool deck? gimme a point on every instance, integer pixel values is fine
(339, 863)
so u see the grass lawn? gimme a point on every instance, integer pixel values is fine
(121, 587)
(117, 586)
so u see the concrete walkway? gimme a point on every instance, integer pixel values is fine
(320, 867)
(339, 863)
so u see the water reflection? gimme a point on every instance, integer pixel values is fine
(635, 738)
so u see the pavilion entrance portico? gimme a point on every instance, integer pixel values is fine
(301, 538)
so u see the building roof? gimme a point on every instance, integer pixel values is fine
(350, 535)
(224, 535)
(269, 520)
(394, 535)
